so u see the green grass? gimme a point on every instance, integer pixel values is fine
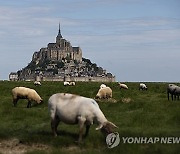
(148, 114)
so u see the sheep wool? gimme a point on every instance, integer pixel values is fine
(66, 83)
(105, 92)
(74, 109)
(102, 86)
(72, 83)
(37, 83)
(123, 86)
(25, 93)
(142, 86)
(174, 90)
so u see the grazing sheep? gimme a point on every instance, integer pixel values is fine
(37, 83)
(105, 92)
(171, 90)
(73, 109)
(72, 83)
(25, 93)
(102, 86)
(177, 92)
(66, 83)
(123, 86)
(142, 86)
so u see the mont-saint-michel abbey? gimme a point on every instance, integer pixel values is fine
(60, 61)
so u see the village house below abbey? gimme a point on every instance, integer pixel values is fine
(60, 61)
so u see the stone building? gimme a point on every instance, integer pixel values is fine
(58, 51)
(60, 61)
(13, 76)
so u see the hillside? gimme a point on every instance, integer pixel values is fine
(136, 113)
(53, 66)
(60, 61)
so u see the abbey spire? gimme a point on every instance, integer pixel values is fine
(59, 32)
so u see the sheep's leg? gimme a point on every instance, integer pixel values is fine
(81, 122)
(87, 130)
(15, 102)
(57, 120)
(54, 125)
(29, 104)
(172, 97)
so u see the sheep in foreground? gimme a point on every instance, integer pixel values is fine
(105, 92)
(37, 83)
(142, 86)
(123, 86)
(171, 90)
(102, 86)
(73, 109)
(25, 93)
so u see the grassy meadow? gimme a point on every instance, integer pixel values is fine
(136, 113)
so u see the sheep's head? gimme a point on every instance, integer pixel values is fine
(107, 127)
(40, 101)
(97, 96)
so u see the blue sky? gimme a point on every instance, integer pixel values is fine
(136, 40)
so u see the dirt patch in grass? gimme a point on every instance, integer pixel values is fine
(72, 149)
(110, 100)
(15, 146)
(126, 100)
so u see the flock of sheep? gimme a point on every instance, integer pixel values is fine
(74, 109)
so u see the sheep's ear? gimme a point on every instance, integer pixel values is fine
(109, 126)
(112, 125)
(99, 127)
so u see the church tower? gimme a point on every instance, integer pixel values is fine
(59, 36)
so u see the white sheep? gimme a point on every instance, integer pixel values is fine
(37, 83)
(73, 109)
(170, 90)
(177, 92)
(25, 93)
(66, 83)
(102, 86)
(72, 83)
(174, 90)
(142, 86)
(123, 86)
(105, 92)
